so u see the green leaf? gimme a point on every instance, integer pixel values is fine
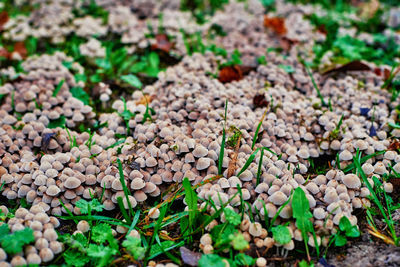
(287, 68)
(58, 88)
(239, 242)
(304, 263)
(301, 212)
(157, 249)
(242, 259)
(132, 80)
(4, 230)
(154, 60)
(340, 241)
(80, 94)
(232, 217)
(281, 234)
(191, 201)
(75, 258)
(344, 224)
(133, 245)
(211, 260)
(101, 232)
(13, 243)
(93, 205)
(103, 63)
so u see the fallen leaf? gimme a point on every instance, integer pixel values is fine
(162, 43)
(356, 65)
(146, 99)
(230, 73)
(322, 29)
(287, 43)
(3, 19)
(395, 145)
(190, 257)
(20, 48)
(260, 101)
(4, 52)
(276, 24)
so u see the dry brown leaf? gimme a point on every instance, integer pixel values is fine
(20, 48)
(146, 99)
(276, 24)
(162, 43)
(3, 19)
(230, 73)
(356, 65)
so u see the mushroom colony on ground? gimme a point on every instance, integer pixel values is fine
(42, 165)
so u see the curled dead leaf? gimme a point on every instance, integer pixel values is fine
(356, 65)
(230, 73)
(277, 24)
(3, 19)
(395, 145)
(162, 43)
(259, 101)
(146, 99)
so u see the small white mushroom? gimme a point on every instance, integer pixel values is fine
(351, 181)
(278, 198)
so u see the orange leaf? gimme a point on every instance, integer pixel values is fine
(20, 48)
(162, 43)
(146, 99)
(3, 19)
(276, 24)
(230, 73)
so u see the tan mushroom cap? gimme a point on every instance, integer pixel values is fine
(72, 183)
(351, 181)
(53, 190)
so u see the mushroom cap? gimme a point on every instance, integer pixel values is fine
(255, 229)
(203, 163)
(83, 226)
(200, 151)
(278, 198)
(246, 176)
(53, 190)
(33, 258)
(345, 155)
(137, 184)
(351, 181)
(72, 183)
(154, 213)
(46, 254)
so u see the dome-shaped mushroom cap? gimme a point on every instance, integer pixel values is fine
(303, 153)
(319, 213)
(351, 181)
(116, 185)
(154, 213)
(151, 162)
(246, 176)
(380, 168)
(33, 258)
(18, 261)
(203, 163)
(46, 254)
(255, 229)
(53, 190)
(132, 200)
(367, 168)
(200, 151)
(278, 198)
(72, 183)
(345, 155)
(137, 184)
